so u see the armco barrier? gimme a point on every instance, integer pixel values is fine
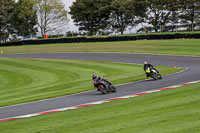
(101, 39)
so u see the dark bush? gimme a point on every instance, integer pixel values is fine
(101, 39)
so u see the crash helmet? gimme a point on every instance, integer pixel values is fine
(145, 63)
(94, 76)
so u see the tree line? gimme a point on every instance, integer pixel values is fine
(27, 17)
(100, 16)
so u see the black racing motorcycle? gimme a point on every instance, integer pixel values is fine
(103, 86)
(153, 73)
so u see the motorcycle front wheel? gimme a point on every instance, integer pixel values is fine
(113, 89)
(102, 89)
(154, 76)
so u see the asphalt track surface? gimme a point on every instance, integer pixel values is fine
(191, 74)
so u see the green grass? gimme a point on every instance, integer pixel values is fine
(169, 111)
(177, 47)
(25, 80)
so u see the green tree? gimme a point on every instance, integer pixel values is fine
(91, 15)
(51, 15)
(121, 15)
(126, 13)
(25, 18)
(174, 8)
(158, 14)
(190, 13)
(103, 15)
(6, 10)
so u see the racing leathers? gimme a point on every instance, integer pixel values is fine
(151, 68)
(102, 78)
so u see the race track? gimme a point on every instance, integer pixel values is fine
(191, 74)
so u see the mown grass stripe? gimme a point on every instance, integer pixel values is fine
(26, 80)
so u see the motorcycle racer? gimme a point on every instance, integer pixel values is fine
(148, 65)
(103, 85)
(95, 77)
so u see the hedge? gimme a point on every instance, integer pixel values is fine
(101, 39)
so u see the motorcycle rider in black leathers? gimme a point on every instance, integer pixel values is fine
(95, 77)
(146, 65)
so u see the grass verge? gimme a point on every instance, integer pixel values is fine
(177, 47)
(26, 80)
(169, 111)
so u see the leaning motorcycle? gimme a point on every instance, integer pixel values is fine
(153, 73)
(103, 86)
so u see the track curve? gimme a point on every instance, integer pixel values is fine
(192, 74)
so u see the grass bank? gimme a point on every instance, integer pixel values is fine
(176, 47)
(25, 80)
(169, 111)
